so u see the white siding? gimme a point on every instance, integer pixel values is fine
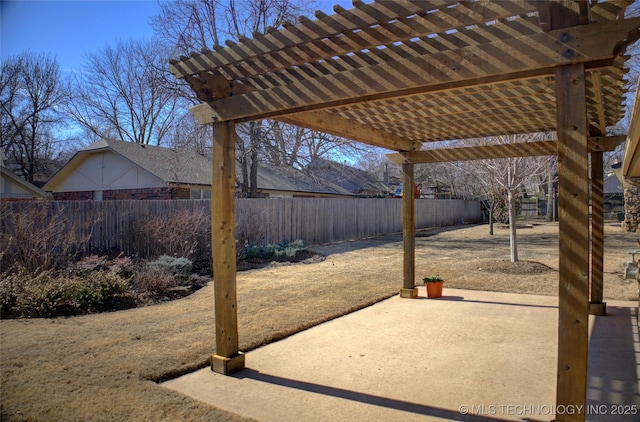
(107, 171)
(15, 188)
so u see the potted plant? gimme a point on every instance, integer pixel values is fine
(433, 284)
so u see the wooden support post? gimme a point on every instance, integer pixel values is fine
(573, 189)
(596, 305)
(409, 289)
(228, 358)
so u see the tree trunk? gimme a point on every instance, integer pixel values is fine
(491, 207)
(513, 240)
(244, 169)
(551, 203)
(255, 135)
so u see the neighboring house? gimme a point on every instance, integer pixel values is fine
(354, 180)
(613, 194)
(110, 170)
(612, 185)
(290, 182)
(15, 188)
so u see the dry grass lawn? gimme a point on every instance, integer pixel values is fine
(103, 367)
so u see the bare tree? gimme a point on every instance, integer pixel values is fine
(189, 134)
(190, 25)
(124, 93)
(511, 175)
(295, 146)
(30, 96)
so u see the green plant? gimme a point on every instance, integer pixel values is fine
(432, 279)
(50, 293)
(179, 267)
(153, 281)
(156, 278)
(285, 251)
(123, 266)
(97, 289)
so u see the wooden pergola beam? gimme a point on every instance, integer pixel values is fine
(465, 66)
(332, 124)
(573, 200)
(409, 289)
(483, 152)
(604, 143)
(596, 271)
(227, 358)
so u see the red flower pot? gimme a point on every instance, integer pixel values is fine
(434, 289)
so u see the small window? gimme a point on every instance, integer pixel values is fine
(97, 195)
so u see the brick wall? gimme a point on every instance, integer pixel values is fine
(73, 196)
(127, 194)
(631, 208)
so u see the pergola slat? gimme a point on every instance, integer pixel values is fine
(485, 152)
(466, 64)
(359, 56)
(374, 22)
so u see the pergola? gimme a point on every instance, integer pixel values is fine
(402, 73)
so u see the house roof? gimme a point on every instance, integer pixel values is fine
(189, 168)
(350, 178)
(171, 166)
(168, 164)
(612, 184)
(282, 178)
(29, 189)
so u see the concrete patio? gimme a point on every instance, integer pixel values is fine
(468, 356)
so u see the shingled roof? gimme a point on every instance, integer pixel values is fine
(188, 168)
(352, 179)
(168, 164)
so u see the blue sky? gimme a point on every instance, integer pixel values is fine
(67, 28)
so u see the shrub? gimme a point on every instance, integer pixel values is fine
(40, 237)
(285, 251)
(155, 278)
(179, 267)
(152, 281)
(181, 233)
(88, 264)
(49, 293)
(123, 266)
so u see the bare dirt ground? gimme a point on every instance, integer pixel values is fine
(104, 367)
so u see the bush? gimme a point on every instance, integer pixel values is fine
(150, 281)
(155, 278)
(40, 237)
(285, 251)
(182, 233)
(50, 294)
(179, 267)
(95, 284)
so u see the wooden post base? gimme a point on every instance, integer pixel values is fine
(409, 293)
(226, 366)
(599, 309)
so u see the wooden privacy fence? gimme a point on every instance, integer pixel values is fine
(115, 225)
